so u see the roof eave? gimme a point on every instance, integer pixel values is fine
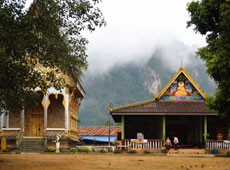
(163, 113)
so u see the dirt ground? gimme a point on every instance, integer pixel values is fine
(35, 161)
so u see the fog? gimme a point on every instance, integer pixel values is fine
(135, 29)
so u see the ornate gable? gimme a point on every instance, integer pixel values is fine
(182, 87)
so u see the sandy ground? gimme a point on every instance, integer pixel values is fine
(32, 161)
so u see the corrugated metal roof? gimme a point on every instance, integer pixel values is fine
(99, 138)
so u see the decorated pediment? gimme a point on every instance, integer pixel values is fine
(182, 87)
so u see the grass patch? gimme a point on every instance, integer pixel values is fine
(133, 151)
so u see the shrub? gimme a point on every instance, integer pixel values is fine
(85, 150)
(64, 150)
(133, 151)
(51, 149)
(147, 152)
(74, 150)
(102, 151)
(117, 151)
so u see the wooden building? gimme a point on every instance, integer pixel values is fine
(178, 110)
(56, 114)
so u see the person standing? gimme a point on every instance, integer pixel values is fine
(168, 144)
(176, 142)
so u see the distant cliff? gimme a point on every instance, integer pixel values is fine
(133, 82)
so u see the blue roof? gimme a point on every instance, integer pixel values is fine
(98, 138)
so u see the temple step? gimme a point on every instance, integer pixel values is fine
(32, 144)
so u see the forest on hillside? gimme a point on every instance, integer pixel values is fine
(133, 82)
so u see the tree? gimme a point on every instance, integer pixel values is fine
(212, 19)
(49, 33)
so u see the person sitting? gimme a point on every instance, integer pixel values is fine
(176, 143)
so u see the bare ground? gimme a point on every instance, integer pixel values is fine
(108, 162)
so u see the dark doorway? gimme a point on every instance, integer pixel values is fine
(185, 128)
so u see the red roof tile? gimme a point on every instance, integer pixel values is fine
(98, 130)
(167, 107)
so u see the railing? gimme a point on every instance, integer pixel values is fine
(218, 144)
(19, 138)
(149, 144)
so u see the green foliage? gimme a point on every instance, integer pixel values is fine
(107, 123)
(228, 154)
(212, 19)
(74, 150)
(51, 149)
(117, 151)
(48, 33)
(5, 150)
(65, 151)
(102, 151)
(85, 150)
(147, 152)
(133, 151)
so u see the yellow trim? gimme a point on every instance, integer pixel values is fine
(48, 101)
(63, 102)
(110, 108)
(73, 116)
(59, 75)
(71, 96)
(169, 83)
(182, 70)
(66, 90)
(155, 95)
(43, 101)
(132, 104)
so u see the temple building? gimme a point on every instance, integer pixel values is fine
(56, 114)
(178, 110)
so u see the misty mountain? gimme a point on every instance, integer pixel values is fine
(133, 82)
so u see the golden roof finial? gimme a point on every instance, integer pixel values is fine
(181, 66)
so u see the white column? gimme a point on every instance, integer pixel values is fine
(22, 119)
(7, 120)
(67, 112)
(1, 121)
(45, 114)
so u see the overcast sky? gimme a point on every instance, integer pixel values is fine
(135, 28)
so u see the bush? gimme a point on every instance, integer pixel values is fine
(64, 150)
(102, 151)
(117, 151)
(74, 150)
(147, 152)
(51, 149)
(133, 151)
(85, 150)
